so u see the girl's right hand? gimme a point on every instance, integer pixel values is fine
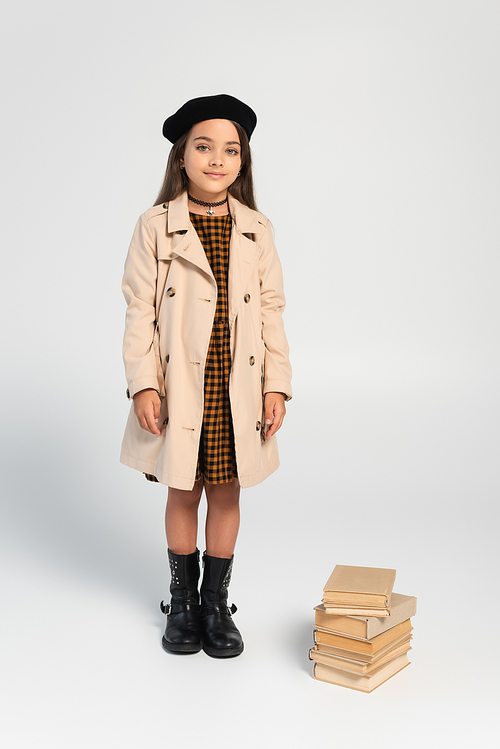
(147, 409)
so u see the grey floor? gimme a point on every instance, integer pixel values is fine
(83, 561)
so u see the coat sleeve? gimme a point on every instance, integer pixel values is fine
(139, 290)
(277, 367)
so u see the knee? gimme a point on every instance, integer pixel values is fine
(223, 494)
(189, 498)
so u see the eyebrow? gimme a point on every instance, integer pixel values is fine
(228, 142)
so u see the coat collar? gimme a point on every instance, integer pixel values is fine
(245, 220)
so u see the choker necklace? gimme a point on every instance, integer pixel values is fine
(210, 206)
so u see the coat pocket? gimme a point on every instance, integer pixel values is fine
(263, 428)
(159, 366)
(262, 362)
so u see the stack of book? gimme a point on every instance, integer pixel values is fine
(362, 629)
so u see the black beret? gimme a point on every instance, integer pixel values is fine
(222, 106)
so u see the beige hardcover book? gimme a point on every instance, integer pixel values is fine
(334, 610)
(359, 586)
(364, 628)
(362, 657)
(370, 647)
(357, 667)
(361, 682)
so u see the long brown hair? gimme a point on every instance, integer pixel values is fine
(176, 181)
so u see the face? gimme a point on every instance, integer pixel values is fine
(212, 158)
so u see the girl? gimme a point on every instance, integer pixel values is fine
(206, 357)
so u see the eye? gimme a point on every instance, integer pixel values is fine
(232, 151)
(202, 148)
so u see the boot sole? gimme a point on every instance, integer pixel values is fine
(181, 648)
(223, 652)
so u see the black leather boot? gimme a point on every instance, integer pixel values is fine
(183, 632)
(220, 635)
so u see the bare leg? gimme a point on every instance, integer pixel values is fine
(181, 518)
(223, 518)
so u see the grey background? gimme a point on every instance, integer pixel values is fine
(377, 160)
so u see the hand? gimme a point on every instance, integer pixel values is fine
(274, 410)
(147, 409)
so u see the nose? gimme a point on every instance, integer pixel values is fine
(216, 160)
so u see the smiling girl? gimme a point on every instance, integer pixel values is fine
(206, 358)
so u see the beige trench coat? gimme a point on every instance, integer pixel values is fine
(171, 295)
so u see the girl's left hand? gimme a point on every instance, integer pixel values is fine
(274, 412)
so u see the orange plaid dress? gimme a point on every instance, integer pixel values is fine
(216, 455)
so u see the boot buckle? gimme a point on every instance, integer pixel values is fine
(165, 608)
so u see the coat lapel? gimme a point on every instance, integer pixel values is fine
(242, 253)
(185, 240)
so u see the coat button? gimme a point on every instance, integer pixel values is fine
(170, 291)
(247, 298)
(164, 205)
(167, 358)
(252, 361)
(258, 425)
(128, 393)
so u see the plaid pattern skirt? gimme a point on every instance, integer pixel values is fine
(216, 455)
